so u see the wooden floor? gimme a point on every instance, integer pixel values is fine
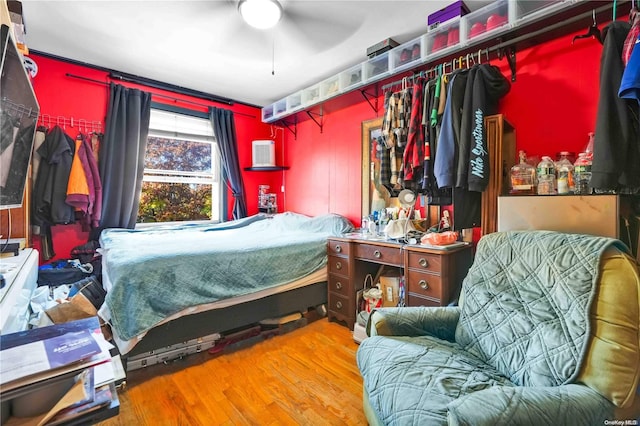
(305, 377)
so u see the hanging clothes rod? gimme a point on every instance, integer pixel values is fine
(81, 124)
(171, 98)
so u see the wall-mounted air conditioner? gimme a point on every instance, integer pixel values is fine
(263, 153)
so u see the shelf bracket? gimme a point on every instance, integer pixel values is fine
(293, 130)
(313, 115)
(368, 96)
(510, 54)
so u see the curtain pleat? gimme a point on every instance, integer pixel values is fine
(122, 155)
(225, 133)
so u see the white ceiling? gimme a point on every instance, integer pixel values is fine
(205, 45)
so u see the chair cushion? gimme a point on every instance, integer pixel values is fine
(527, 300)
(410, 380)
(615, 330)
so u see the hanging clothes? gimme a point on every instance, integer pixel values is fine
(84, 189)
(413, 156)
(50, 191)
(446, 152)
(616, 147)
(489, 86)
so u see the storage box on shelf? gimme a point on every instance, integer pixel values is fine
(408, 55)
(453, 11)
(280, 107)
(444, 39)
(377, 67)
(486, 21)
(294, 101)
(352, 77)
(520, 10)
(267, 113)
(311, 95)
(330, 87)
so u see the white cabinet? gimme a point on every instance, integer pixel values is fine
(21, 276)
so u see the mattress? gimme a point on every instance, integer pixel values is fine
(161, 273)
(125, 346)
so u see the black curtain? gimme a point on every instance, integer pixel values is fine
(225, 132)
(122, 155)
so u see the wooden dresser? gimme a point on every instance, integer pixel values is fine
(432, 276)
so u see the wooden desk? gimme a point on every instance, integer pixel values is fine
(432, 276)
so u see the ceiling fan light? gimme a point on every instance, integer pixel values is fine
(261, 14)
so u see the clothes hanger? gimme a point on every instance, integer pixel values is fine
(592, 31)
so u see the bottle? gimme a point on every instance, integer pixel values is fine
(546, 176)
(523, 176)
(582, 172)
(364, 227)
(564, 173)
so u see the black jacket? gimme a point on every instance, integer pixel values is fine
(616, 147)
(487, 87)
(50, 190)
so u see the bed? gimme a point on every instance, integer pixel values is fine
(174, 283)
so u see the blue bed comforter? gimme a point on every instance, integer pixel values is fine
(157, 272)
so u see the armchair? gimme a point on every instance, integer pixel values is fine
(547, 332)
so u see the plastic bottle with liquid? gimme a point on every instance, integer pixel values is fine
(546, 176)
(564, 172)
(582, 173)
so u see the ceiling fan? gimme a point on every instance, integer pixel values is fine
(308, 24)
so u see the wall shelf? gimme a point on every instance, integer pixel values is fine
(266, 169)
(525, 23)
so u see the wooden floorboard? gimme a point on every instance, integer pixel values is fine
(305, 377)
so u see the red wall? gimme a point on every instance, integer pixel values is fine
(552, 104)
(63, 96)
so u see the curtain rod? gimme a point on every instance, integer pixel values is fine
(79, 77)
(498, 48)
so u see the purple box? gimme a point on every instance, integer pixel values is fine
(454, 10)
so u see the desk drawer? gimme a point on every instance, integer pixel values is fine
(340, 285)
(425, 261)
(427, 285)
(415, 300)
(338, 265)
(338, 247)
(341, 305)
(379, 254)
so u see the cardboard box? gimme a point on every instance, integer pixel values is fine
(390, 286)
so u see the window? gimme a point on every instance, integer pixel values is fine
(181, 170)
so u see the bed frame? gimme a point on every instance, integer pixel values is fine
(232, 317)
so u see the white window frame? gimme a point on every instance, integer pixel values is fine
(214, 178)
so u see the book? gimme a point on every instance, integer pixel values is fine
(33, 355)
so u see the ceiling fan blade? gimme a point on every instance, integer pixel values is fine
(318, 32)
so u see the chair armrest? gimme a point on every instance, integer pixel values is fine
(414, 321)
(561, 405)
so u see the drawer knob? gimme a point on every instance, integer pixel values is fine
(338, 265)
(423, 262)
(338, 248)
(377, 254)
(339, 304)
(423, 284)
(338, 285)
